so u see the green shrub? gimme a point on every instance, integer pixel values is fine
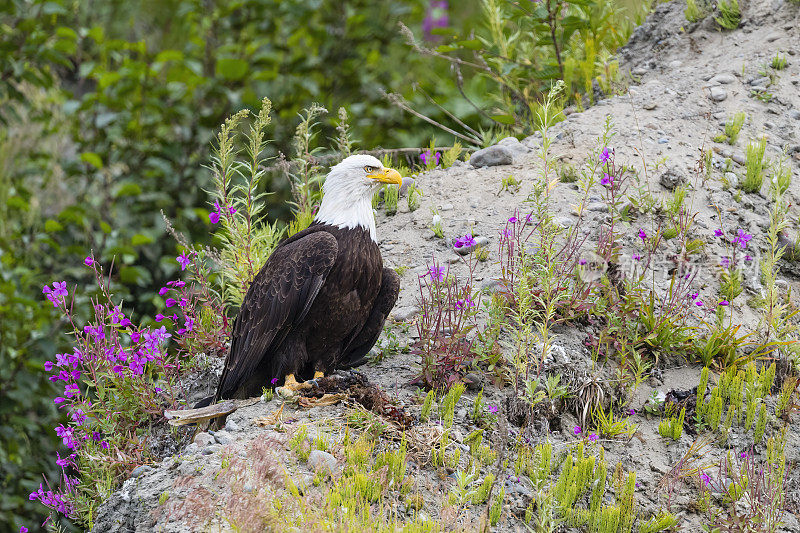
(754, 166)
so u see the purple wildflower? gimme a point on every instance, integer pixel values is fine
(605, 156)
(184, 260)
(718, 233)
(724, 303)
(513, 220)
(492, 409)
(593, 437)
(466, 240)
(642, 235)
(88, 261)
(577, 430)
(437, 273)
(742, 239)
(607, 180)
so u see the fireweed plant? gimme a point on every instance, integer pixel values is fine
(118, 378)
(448, 317)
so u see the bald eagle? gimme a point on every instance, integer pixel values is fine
(320, 301)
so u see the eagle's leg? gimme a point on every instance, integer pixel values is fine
(291, 386)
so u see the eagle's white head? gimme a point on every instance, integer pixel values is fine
(348, 190)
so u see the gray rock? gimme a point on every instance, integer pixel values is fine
(491, 285)
(764, 81)
(597, 207)
(724, 79)
(231, 426)
(404, 313)
(446, 207)
(663, 140)
(223, 437)
(473, 381)
(718, 94)
(513, 144)
(407, 182)
(322, 462)
(639, 71)
(466, 250)
(733, 179)
(141, 469)
(203, 439)
(214, 448)
(491, 157)
(671, 178)
(795, 114)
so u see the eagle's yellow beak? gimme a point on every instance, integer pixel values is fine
(387, 175)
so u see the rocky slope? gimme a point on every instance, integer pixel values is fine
(686, 80)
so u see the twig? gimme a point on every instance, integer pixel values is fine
(399, 101)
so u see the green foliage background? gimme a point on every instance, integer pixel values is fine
(107, 112)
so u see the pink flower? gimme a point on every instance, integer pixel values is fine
(577, 430)
(593, 437)
(718, 233)
(724, 303)
(184, 260)
(492, 409)
(642, 234)
(607, 180)
(512, 220)
(88, 261)
(213, 217)
(605, 156)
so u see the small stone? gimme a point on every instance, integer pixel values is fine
(675, 63)
(732, 179)
(738, 157)
(404, 313)
(231, 426)
(795, 114)
(465, 250)
(639, 71)
(141, 469)
(513, 144)
(446, 207)
(650, 106)
(407, 182)
(492, 285)
(214, 448)
(223, 437)
(322, 462)
(763, 81)
(671, 178)
(191, 449)
(724, 79)
(203, 439)
(597, 207)
(663, 140)
(491, 157)
(472, 381)
(718, 94)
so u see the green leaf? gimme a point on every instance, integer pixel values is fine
(444, 48)
(105, 226)
(127, 188)
(231, 68)
(504, 119)
(51, 226)
(472, 44)
(92, 158)
(139, 239)
(18, 202)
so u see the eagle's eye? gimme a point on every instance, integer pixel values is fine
(369, 170)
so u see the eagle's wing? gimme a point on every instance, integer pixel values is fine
(279, 297)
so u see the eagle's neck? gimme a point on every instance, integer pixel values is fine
(347, 211)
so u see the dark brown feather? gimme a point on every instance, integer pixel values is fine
(319, 303)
